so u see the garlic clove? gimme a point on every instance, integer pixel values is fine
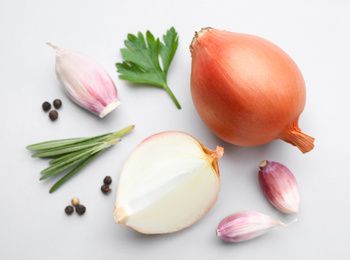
(246, 225)
(167, 183)
(279, 186)
(85, 81)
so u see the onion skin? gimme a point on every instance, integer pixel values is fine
(247, 90)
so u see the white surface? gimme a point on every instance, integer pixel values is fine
(32, 222)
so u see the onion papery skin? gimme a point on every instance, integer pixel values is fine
(247, 90)
(167, 183)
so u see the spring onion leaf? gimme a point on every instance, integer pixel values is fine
(58, 166)
(73, 153)
(72, 172)
(67, 156)
(53, 172)
(141, 59)
(52, 153)
(65, 143)
(53, 144)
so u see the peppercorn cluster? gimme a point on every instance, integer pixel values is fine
(105, 187)
(53, 115)
(80, 209)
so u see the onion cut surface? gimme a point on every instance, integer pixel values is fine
(167, 183)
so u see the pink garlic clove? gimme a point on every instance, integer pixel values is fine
(85, 81)
(279, 186)
(246, 225)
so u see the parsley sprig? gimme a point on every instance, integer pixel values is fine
(141, 59)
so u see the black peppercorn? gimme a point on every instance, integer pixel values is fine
(46, 106)
(57, 103)
(105, 189)
(107, 180)
(53, 114)
(80, 209)
(69, 210)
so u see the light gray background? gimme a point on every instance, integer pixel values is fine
(32, 222)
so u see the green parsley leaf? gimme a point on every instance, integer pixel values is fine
(141, 59)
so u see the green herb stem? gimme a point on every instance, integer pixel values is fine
(172, 96)
(66, 143)
(73, 172)
(67, 156)
(66, 166)
(53, 144)
(72, 152)
(52, 153)
(120, 133)
(58, 166)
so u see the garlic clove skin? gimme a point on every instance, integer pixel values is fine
(85, 81)
(279, 186)
(246, 225)
(167, 183)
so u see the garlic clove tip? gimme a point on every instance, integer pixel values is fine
(287, 224)
(54, 46)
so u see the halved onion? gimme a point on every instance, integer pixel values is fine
(167, 183)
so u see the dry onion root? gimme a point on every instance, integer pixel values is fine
(247, 90)
(167, 183)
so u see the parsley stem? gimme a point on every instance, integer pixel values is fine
(165, 86)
